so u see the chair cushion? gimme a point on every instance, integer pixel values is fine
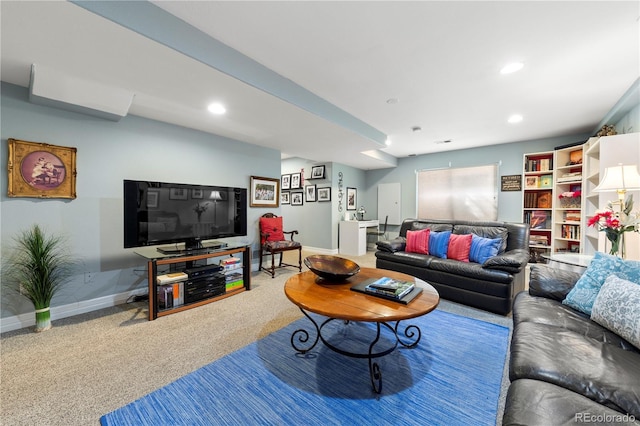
(459, 247)
(418, 241)
(281, 245)
(273, 227)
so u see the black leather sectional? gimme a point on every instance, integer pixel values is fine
(564, 368)
(491, 286)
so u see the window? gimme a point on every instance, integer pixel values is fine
(468, 193)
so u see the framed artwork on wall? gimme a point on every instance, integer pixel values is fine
(296, 181)
(285, 182)
(317, 172)
(284, 198)
(153, 198)
(197, 193)
(41, 170)
(310, 193)
(178, 194)
(324, 194)
(265, 192)
(296, 198)
(352, 194)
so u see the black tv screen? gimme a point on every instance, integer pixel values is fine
(158, 213)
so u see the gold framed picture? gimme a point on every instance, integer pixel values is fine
(265, 192)
(41, 170)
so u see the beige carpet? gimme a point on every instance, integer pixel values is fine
(91, 364)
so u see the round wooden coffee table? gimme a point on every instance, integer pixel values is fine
(337, 301)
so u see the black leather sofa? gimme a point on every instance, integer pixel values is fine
(490, 286)
(564, 368)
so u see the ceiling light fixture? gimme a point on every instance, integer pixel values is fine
(416, 128)
(392, 101)
(216, 108)
(511, 68)
(387, 142)
(515, 118)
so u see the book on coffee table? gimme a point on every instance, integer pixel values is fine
(388, 288)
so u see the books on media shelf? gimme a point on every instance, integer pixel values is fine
(178, 293)
(231, 263)
(171, 278)
(390, 287)
(233, 280)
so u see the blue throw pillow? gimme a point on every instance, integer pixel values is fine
(439, 243)
(584, 293)
(483, 248)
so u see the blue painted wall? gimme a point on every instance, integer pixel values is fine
(108, 152)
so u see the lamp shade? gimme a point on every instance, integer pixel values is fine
(619, 178)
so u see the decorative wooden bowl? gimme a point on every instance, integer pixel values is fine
(331, 268)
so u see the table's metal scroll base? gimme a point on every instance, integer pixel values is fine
(300, 342)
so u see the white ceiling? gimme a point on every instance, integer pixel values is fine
(440, 60)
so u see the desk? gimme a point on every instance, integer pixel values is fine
(341, 305)
(353, 236)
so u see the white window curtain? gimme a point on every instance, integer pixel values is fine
(468, 193)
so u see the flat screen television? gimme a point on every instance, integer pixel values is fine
(157, 213)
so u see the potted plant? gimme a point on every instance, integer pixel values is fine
(38, 266)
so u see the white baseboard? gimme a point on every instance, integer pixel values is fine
(28, 319)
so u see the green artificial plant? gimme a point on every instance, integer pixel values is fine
(38, 267)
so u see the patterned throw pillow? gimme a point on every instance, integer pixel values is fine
(418, 241)
(584, 293)
(459, 247)
(484, 248)
(439, 243)
(617, 308)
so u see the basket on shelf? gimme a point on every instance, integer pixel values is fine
(570, 202)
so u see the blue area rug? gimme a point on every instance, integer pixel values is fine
(452, 377)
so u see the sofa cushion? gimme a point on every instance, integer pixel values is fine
(418, 241)
(490, 232)
(617, 307)
(584, 293)
(392, 246)
(459, 247)
(483, 248)
(540, 310)
(602, 372)
(439, 243)
(512, 261)
(552, 283)
(538, 403)
(434, 227)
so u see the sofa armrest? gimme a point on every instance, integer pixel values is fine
(512, 261)
(392, 246)
(551, 283)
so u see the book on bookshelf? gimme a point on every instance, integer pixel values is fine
(171, 278)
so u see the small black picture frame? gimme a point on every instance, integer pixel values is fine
(317, 172)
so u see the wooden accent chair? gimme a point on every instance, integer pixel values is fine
(273, 241)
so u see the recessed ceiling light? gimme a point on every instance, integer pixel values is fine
(515, 118)
(512, 67)
(216, 108)
(387, 142)
(416, 129)
(392, 101)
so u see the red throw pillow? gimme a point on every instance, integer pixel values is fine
(459, 247)
(273, 227)
(418, 241)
